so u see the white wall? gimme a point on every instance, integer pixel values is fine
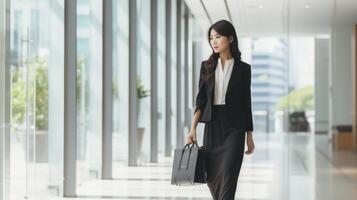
(340, 77)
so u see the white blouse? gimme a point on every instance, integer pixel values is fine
(222, 77)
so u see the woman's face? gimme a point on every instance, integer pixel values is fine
(218, 42)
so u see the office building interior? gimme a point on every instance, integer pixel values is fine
(96, 95)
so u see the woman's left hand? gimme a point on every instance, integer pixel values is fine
(250, 143)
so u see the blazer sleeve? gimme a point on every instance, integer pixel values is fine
(201, 97)
(249, 100)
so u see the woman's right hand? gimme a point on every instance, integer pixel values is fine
(191, 138)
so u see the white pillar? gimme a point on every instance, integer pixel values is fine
(4, 100)
(107, 99)
(321, 85)
(70, 106)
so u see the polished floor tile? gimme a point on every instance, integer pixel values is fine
(295, 166)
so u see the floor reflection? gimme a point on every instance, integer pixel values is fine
(284, 166)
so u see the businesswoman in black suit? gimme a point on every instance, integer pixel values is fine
(223, 103)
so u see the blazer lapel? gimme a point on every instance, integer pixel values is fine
(213, 81)
(233, 77)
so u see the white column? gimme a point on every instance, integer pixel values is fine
(70, 107)
(340, 76)
(168, 101)
(133, 121)
(4, 99)
(179, 94)
(154, 82)
(321, 85)
(107, 80)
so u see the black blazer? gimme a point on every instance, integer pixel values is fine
(238, 96)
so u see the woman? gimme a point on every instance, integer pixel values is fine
(223, 103)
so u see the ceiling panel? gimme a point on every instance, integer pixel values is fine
(273, 18)
(346, 11)
(198, 11)
(216, 9)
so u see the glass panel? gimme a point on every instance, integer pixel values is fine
(2, 100)
(120, 83)
(268, 57)
(89, 90)
(282, 82)
(199, 44)
(161, 39)
(143, 79)
(36, 142)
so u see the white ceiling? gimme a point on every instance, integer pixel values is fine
(273, 18)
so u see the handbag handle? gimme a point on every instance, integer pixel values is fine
(188, 161)
(189, 155)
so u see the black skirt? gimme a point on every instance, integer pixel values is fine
(224, 145)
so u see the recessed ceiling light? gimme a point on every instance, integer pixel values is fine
(256, 6)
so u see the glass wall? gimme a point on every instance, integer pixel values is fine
(282, 82)
(120, 83)
(89, 89)
(36, 58)
(161, 39)
(2, 100)
(37, 90)
(143, 51)
(199, 41)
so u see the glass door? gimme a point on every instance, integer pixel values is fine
(89, 90)
(22, 138)
(36, 46)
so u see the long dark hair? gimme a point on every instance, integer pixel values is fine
(224, 28)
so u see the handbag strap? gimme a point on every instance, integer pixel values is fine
(189, 155)
(183, 150)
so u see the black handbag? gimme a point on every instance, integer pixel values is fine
(189, 165)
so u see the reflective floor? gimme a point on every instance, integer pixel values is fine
(284, 166)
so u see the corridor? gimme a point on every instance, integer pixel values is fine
(296, 166)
